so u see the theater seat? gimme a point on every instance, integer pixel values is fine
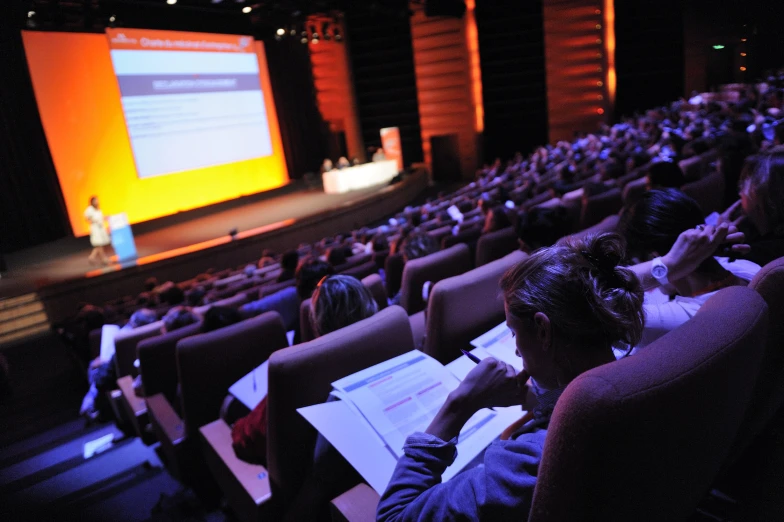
(125, 346)
(393, 269)
(634, 190)
(232, 302)
(495, 245)
(692, 168)
(207, 365)
(306, 331)
(463, 307)
(608, 224)
(708, 192)
(361, 271)
(433, 268)
(291, 439)
(598, 207)
(375, 285)
(642, 438)
(768, 395)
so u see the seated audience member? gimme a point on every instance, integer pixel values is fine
(542, 227)
(288, 265)
(102, 375)
(497, 219)
(664, 174)
(267, 258)
(573, 299)
(379, 155)
(762, 201)
(195, 296)
(336, 256)
(418, 244)
(171, 295)
(343, 162)
(651, 227)
(337, 302)
(326, 165)
(150, 284)
(178, 317)
(309, 272)
(217, 317)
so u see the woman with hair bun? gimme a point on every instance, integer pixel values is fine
(567, 305)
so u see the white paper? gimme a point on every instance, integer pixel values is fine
(108, 334)
(401, 396)
(462, 365)
(500, 343)
(98, 445)
(455, 213)
(252, 388)
(353, 437)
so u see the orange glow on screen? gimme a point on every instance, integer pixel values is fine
(79, 102)
(609, 48)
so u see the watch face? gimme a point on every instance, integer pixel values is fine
(659, 271)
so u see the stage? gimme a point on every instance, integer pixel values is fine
(180, 246)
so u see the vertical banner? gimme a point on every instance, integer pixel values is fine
(390, 142)
(122, 237)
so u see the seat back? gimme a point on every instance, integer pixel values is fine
(464, 307)
(273, 288)
(125, 346)
(158, 361)
(290, 439)
(692, 168)
(361, 271)
(768, 394)
(469, 235)
(306, 331)
(495, 245)
(374, 283)
(393, 269)
(608, 224)
(634, 190)
(207, 364)
(598, 207)
(708, 192)
(643, 438)
(232, 302)
(434, 267)
(440, 233)
(285, 302)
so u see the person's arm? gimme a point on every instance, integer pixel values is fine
(691, 248)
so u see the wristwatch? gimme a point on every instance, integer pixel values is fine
(659, 271)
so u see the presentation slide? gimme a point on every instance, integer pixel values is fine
(187, 108)
(155, 122)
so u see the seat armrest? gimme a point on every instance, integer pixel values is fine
(134, 405)
(246, 486)
(358, 504)
(168, 425)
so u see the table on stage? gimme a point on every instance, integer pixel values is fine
(359, 176)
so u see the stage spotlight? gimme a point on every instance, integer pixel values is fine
(247, 9)
(281, 31)
(314, 32)
(233, 232)
(171, 2)
(293, 31)
(303, 40)
(336, 34)
(325, 31)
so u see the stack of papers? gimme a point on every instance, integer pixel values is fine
(500, 343)
(384, 404)
(251, 389)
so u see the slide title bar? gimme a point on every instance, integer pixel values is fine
(144, 39)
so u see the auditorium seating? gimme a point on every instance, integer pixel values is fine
(291, 439)
(207, 364)
(495, 245)
(125, 346)
(600, 206)
(465, 306)
(643, 438)
(708, 192)
(432, 268)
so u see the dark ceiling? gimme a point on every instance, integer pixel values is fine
(192, 15)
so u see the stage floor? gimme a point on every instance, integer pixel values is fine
(66, 258)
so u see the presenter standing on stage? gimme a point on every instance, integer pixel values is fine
(99, 236)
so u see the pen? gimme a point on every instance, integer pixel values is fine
(476, 360)
(471, 356)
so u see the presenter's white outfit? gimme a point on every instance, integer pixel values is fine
(99, 237)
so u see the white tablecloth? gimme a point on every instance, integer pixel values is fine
(359, 176)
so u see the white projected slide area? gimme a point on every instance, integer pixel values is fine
(186, 110)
